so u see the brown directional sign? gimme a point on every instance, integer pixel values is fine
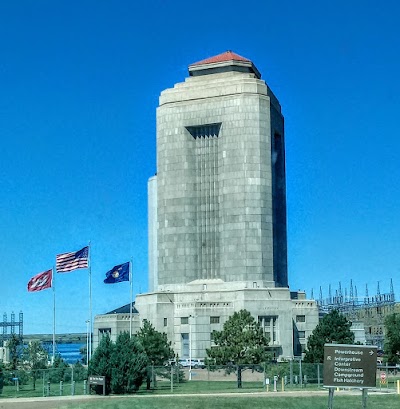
(350, 366)
(98, 380)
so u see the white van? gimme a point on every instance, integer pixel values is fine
(196, 363)
(184, 362)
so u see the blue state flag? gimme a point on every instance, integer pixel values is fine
(118, 274)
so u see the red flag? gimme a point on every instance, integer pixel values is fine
(41, 281)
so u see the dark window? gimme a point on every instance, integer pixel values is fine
(104, 331)
(204, 131)
(184, 320)
(165, 322)
(185, 345)
(214, 320)
(300, 318)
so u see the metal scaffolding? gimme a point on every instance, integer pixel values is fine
(370, 310)
(14, 327)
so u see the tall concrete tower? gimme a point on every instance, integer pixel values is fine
(221, 195)
(217, 215)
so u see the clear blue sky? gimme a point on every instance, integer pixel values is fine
(79, 87)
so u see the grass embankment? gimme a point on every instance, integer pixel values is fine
(237, 402)
(180, 397)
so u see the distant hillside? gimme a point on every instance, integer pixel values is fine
(79, 338)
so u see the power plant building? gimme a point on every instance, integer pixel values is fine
(217, 213)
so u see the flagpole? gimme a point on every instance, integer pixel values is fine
(54, 314)
(131, 285)
(90, 305)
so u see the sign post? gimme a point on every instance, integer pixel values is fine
(349, 366)
(275, 381)
(330, 398)
(364, 398)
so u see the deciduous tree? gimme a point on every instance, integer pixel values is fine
(58, 369)
(83, 352)
(80, 372)
(241, 342)
(35, 359)
(1, 378)
(392, 338)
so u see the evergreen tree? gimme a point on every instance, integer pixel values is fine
(13, 344)
(392, 338)
(129, 364)
(100, 364)
(241, 342)
(123, 363)
(158, 350)
(334, 328)
(156, 345)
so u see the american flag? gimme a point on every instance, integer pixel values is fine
(40, 281)
(72, 261)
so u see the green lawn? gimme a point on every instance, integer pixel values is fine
(27, 391)
(238, 402)
(202, 387)
(164, 387)
(180, 398)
